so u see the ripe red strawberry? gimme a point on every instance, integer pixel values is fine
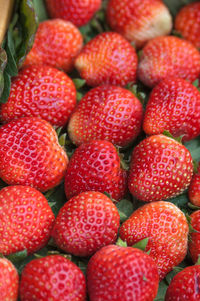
(78, 12)
(43, 92)
(174, 105)
(187, 22)
(194, 188)
(119, 273)
(57, 43)
(30, 154)
(139, 21)
(167, 229)
(185, 285)
(106, 112)
(194, 241)
(9, 281)
(52, 278)
(96, 166)
(107, 59)
(161, 168)
(168, 56)
(86, 223)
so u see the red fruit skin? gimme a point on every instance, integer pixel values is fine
(185, 285)
(79, 12)
(86, 223)
(40, 91)
(52, 278)
(139, 21)
(30, 154)
(57, 43)
(106, 112)
(168, 56)
(174, 106)
(121, 273)
(107, 59)
(194, 189)
(194, 241)
(9, 281)
(161, 168)
(96, 166)
(167, 229)
(26, 220)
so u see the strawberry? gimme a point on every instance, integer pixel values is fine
(9, 281)
(174, 105)
(121, 273)
(194, 242)
(194, 188)
(107, 59)
(53, 278)
(187, 23)
(26, 220)
(30, 154)
(166, 228)
(139, 21)
(57, 43)
(161, 168)
(167, 57)
(96, 166)
(43, 92)
(78, 12)
(106, 112)
(86, 223)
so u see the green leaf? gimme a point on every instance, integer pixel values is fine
(7, 85)
(178, 139)
(161, 291)
(40, 9)
(121, 243)
(15, 257)
(79, 83)
(58, 198)
(194, 147)
(175, 5)
(3, 62)
(142, 244)
(180, 201)
(125, 208)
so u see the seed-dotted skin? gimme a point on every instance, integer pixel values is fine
(9, 281)
(57, 43)
(107, 59)
(194, 241)
(86, 223)
(121, 273)
(161, 168)
(174, 105)
(52, 278)
(168, 56)
(139, 21)
(30, 154)
(26, 220)
(194, 188)
(167, 229)
(40, 91)
(106, 112)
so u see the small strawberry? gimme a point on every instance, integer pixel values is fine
(161, 168)
(166, 228)
(194, 189)
(187, 23)
(9, 281)
(78, 12)
(194, 242)
(168, 56)
(174, 105)
(30, 154)
(96, 166)
(107, 59)
(57, 43)
(52, 278)
(121, 273)
(43, 92)
(139, 21)
(86, 223)
(106, 112)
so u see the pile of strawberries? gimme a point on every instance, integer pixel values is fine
(126, 257)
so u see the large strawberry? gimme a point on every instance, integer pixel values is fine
(52, 278)
(40, 91)
(166, 228)
(161, 168)
(30, 154)
(107, 59)
(121, 273)
(106, 112)
(86, 223)
(139, 21)
(174, 105)
(194, 188)
(194, 241)
(9, 281)
(167, 56)
(56, 43)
